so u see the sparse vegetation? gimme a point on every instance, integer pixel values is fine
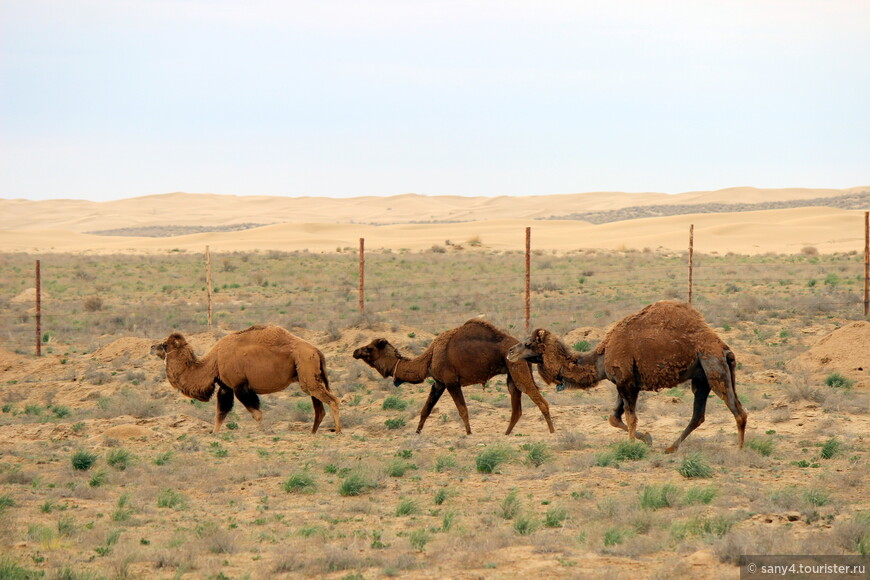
(837, 381)
(82, 460)
(489, 460)
(693, 466)
(163, 494)
(300, 482)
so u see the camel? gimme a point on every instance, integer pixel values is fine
(467, 355)
(251, 362)
(661, 346)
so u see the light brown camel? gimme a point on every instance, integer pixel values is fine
(659, 347)
(256, 361)
(470, 354)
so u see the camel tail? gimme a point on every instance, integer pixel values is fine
(323, 376)
(732, 366)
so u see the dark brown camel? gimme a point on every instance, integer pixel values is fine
(659, 347)
(468, 355)
(248, 363)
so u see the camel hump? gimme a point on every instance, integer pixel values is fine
(480, 329)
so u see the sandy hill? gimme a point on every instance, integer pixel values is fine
(417, 222)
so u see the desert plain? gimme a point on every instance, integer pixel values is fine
(107, 472)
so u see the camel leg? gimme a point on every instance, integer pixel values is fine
(615, 418)
(527, 382)
(455, 391)
(251, 401)
(435, 393)
(224, 406)
(319, 413)
(701, 388)
(516, 405)
(721, 379)
(628, 393)
(324, 396)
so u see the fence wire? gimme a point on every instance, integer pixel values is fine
(92, 300)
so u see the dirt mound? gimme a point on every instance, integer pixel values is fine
(590, 334)
(136, 348)
(9, 359)
(845, 350)
(28, 296)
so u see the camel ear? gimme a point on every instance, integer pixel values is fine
(539, 336)
(381, 342)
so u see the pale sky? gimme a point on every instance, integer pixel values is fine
(105, 99)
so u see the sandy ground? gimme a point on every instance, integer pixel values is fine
(239, 522)
(324, 225)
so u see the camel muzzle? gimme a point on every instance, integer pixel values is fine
(158, 350)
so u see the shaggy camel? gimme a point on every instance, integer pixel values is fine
(659, 347)
(256, 361)
(470, 354)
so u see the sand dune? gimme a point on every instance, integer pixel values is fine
(209, 209)
(780, 231)
(403, 221)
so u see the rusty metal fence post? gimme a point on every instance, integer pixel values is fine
(38, 310)
(691, 258)
(362, 275)
(866, 261)
(208, 283)
(528, 278)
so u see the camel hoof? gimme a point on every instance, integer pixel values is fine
(670, 449)
(647, 438)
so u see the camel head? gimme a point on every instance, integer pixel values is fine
(172, 343)
(531, 349)
(381, 356)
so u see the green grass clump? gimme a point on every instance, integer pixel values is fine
(120, 459)
(163, 458)
(817, 497)
(830, 448)
(169, 498)
(762, 445)
(614, 536)
(632, 450)
(10, 570)
(699, 495)
(83, 460)
(536, 454)
(444, 463)
(394, 402)
(555, 517)
(490, 459)
(524, 524)
(396, 423)
(655, 497)
(703, 526)
(407, 507)
(6, 501)
(355, 483)
(60, 411)
(441, 496)
(510, 505)
(98, 478)
(693, 466)
(300, 482)
(398, 467)
(582, 346)
(124, 510)
(418, 539)
(837, 381)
